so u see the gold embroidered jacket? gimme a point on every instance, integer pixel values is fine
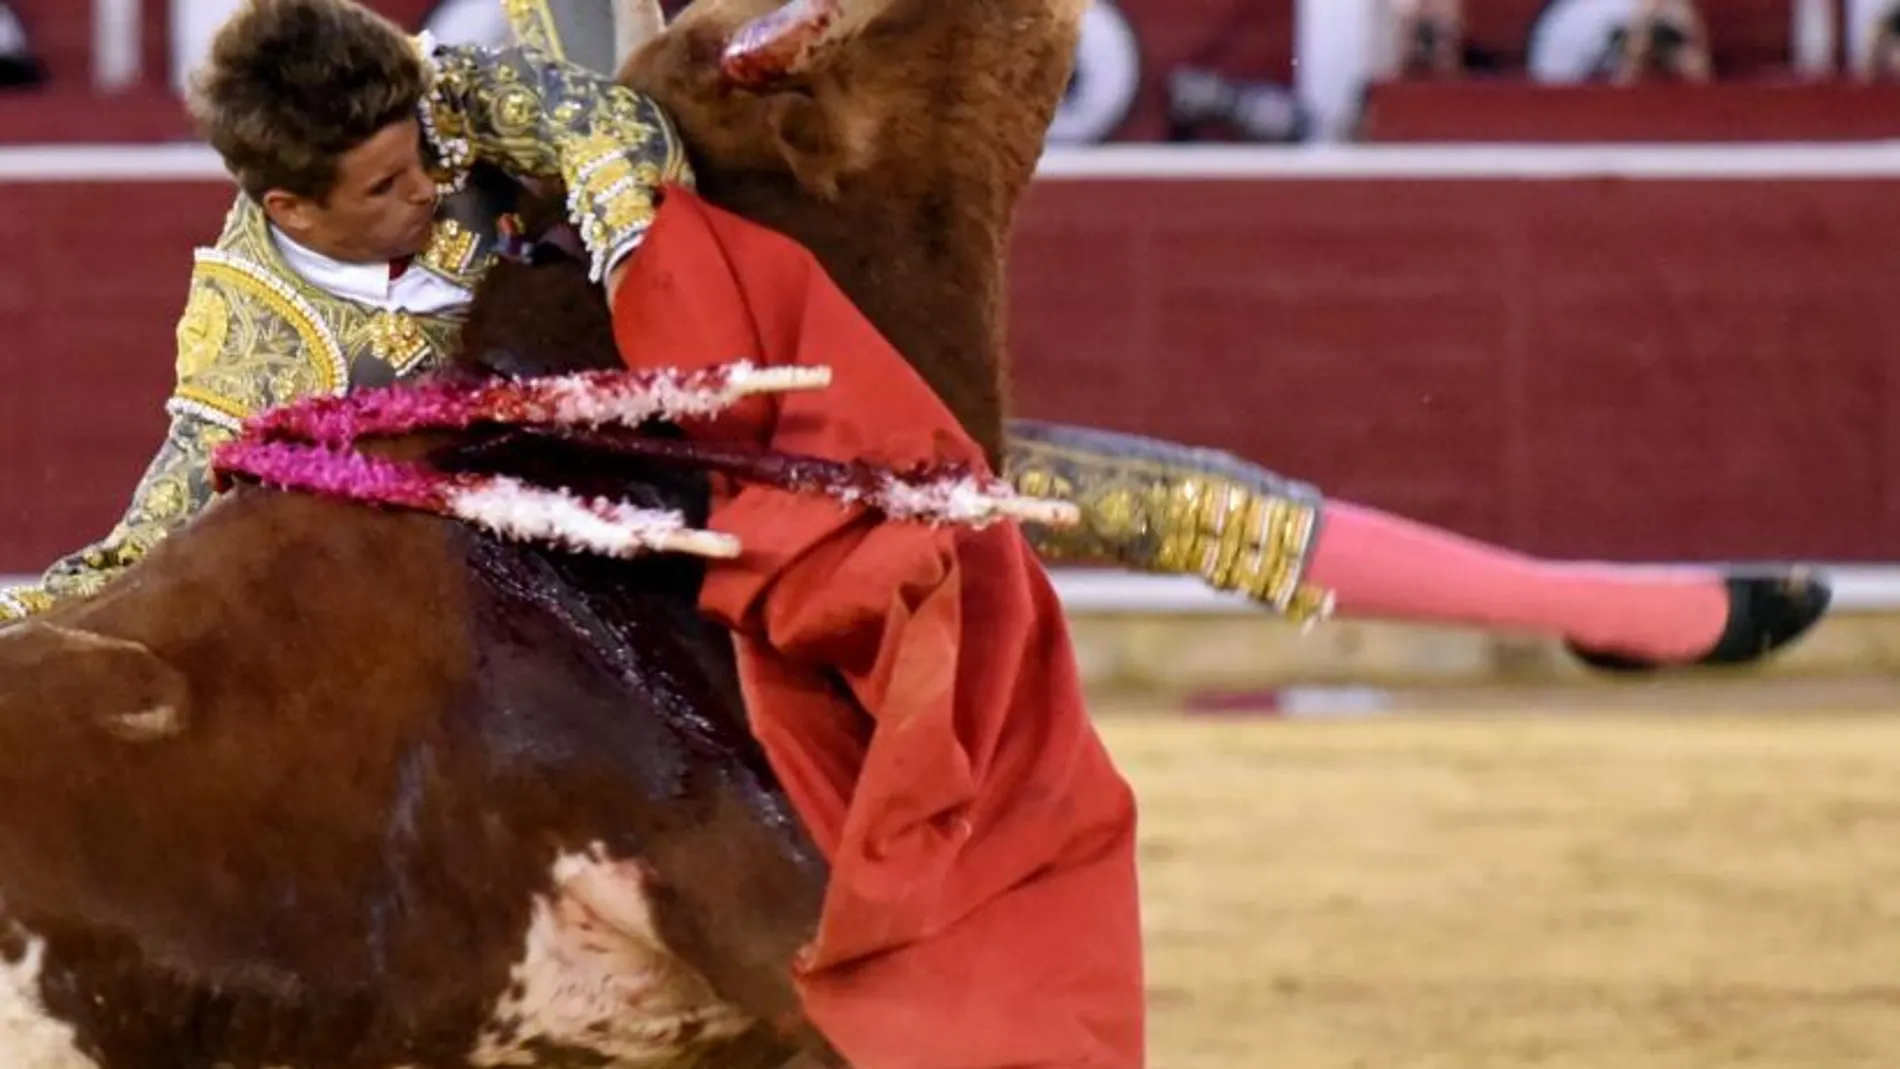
(255, 334)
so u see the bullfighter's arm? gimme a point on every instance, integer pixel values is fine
(537, 117)
(174, 487)
(232, 363)
(1156, 506)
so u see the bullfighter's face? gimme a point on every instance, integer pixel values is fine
(382, 206)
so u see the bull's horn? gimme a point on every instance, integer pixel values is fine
(794, 39)
(635, 23)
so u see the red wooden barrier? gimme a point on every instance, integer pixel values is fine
(1637, 369)
(1739, 111)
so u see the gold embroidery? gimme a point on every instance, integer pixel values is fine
(607, 148)
(610, 146)
(358, 332)
(451, 248)
(23, 602)
(516, 109)
(253, 335)
(627, 209)
(397, 340)
(201, 331)
(252, 281)
(534, 25)
(1167, 509)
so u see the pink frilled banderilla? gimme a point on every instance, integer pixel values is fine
(307, 447)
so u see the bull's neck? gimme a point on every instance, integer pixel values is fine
(929, 277)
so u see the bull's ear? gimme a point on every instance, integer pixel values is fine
(814, 145)
(118, 685)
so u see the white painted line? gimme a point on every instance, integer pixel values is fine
(1857, 589)
(192, 161)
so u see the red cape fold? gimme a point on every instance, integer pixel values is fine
(914, 688)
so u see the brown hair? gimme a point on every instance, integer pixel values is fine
(292, 85)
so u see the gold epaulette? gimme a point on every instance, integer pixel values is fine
(249, 341)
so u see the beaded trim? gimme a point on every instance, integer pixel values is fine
(204, 410)
(12, 607)
(455, 154)
(452, 248)
(611, 201)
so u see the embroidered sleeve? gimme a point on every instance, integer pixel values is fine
(237, 355)
(1160, 507)
(538, 117)
(175, 487)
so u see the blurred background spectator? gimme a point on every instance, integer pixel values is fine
(1666, 40)
(1205, 104)
(1880, 61)
(1428, 39)
(1218, 88)
(19, 64)
(1247, 71)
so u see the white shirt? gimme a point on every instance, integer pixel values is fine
(417, 290)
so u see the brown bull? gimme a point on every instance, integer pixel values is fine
(319, 786)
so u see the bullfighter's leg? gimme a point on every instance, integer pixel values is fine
(1162, 507)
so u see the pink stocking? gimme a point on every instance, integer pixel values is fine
(1382, 566)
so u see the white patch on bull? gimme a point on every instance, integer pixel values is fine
(595, 976)
(30, 1037)
(148, 725)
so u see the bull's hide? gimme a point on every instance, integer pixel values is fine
(326, 787)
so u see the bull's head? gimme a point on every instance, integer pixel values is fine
(893, 138)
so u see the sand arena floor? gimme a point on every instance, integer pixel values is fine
(1613, 890)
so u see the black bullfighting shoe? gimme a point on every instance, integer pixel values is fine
(1765, 613)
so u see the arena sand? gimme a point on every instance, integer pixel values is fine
(1606, 890)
